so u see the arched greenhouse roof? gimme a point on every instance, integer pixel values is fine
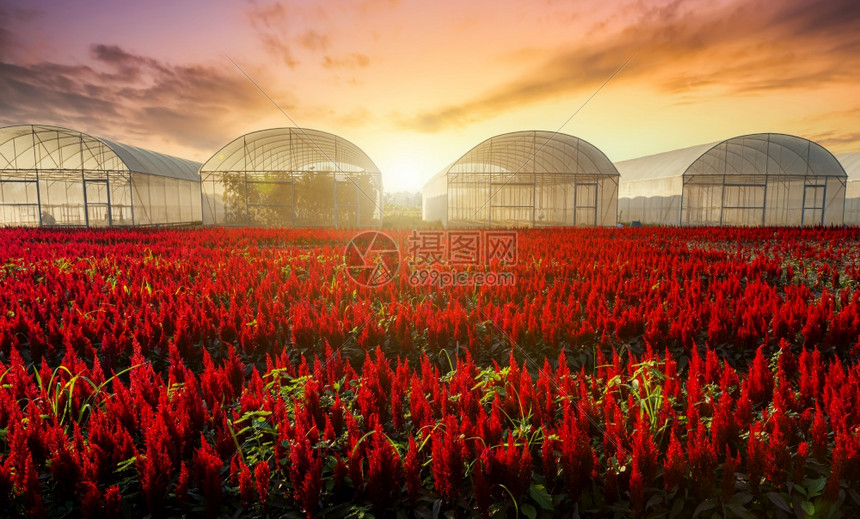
(767, 154)
(290, 149)
(47, 147)
(534, 151)
(755, 154)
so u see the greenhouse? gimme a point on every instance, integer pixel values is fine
(761, 179)
(525, 179)
(291, 177)
(851, 163)
(51, 176)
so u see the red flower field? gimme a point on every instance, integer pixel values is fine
(646, 372)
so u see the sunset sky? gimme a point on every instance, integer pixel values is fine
(417, 83)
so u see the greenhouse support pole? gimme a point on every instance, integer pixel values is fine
(83, 182)
(357, 207)
(36, 163)
(245, 170)
(109, 207)
(200, 174)
(723, 187)
(247, 208)
(293, 200)
(131, 196)
(803, 205)
(107, 187)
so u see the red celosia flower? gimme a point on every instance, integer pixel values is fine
(480, 484)
(112, 502)
(261, 481)
(384, 469)
(412, 470)
(675, 466)
(207, 466)
(576, 455)
(305, 474)
(154, 466)
(760, 381)
(91, 500)
(448, 460)
(549, 459)
(182, 484)
(644, 451)
(730, 466)
(246, 485)
(819, 432)
(637, 489)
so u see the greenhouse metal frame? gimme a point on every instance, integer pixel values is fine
(766, 179)
(53, 176)
(529, 178)
(291, 177)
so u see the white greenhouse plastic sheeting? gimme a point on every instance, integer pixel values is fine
(57, 176)
(760, 179)
(525, 179)
(291, 177)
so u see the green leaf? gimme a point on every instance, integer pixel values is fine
(437, 507)
(816, 486)
(779, 501)
(809, 508)
(677, 507)
(529, 511)
(740, 511)
(741, 498)
(703, 507)
(854, 495)
(541, 496)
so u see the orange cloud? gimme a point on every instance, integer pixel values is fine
(738, 48)
(314, 41)
(349, 61)
(270, 21)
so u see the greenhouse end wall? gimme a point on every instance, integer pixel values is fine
(525, 179)
(291, 177)
(783, 201)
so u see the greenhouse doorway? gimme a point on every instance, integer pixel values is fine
(585, 203)
(97, 202)
(814, 196)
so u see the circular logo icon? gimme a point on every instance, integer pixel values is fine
(372, 258)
